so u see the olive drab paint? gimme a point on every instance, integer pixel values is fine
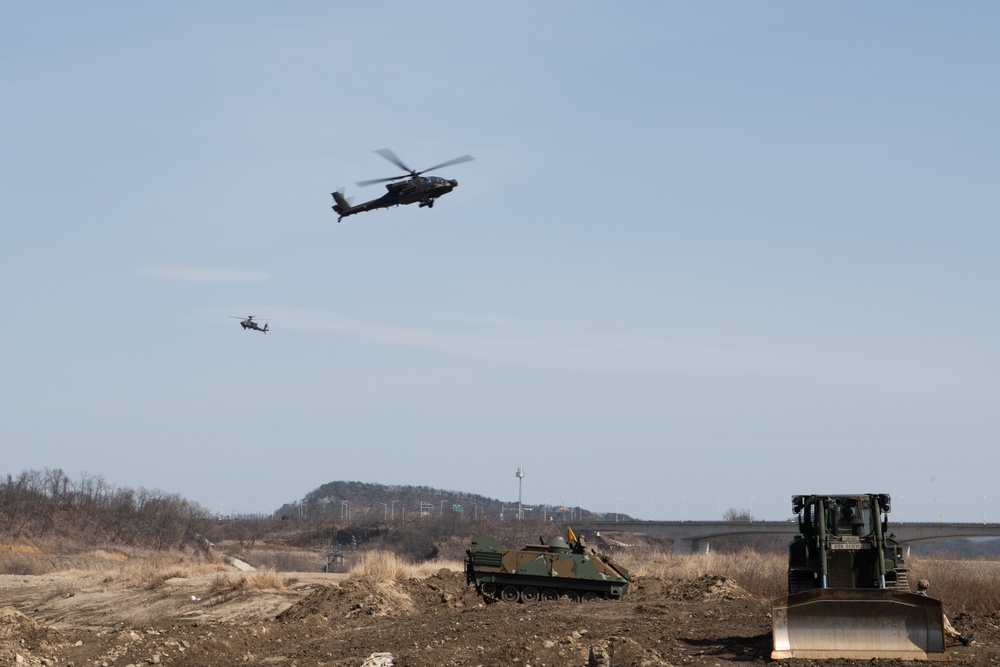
(550, 570)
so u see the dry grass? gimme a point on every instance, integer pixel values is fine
(63, 589)
(282, 559)
(235, 583)
(431, 567)
(387, 566)
(153, 570)
(23, 563)
(763, 575)
(114, 565)
(380, 566)
(963, 585)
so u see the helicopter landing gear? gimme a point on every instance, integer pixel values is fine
(429, 203)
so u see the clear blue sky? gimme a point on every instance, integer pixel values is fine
(709, 255)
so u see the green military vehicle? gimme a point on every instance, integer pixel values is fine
(848, 590)
(555, 568)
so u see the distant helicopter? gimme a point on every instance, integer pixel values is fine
(416, 188)
(248, 323)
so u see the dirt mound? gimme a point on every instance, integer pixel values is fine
(705, 588)
(446, 589)
(710, 587)
(365, 597)
(15, 625)
(351, 598)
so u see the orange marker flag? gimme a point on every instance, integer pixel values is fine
(570, 537)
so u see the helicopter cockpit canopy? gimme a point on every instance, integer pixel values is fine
(437, 180)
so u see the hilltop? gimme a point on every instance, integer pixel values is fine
(359, 501)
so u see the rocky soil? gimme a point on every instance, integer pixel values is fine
(334, 621)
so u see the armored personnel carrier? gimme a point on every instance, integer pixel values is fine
(549, 570)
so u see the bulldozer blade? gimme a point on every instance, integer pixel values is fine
(857, 624)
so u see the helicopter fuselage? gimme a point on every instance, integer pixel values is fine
(421, 189)
(250, 324)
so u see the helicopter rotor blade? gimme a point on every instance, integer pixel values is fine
(458, 160)
(393, 158)
(362, 184)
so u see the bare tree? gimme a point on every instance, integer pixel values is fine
(733, 514)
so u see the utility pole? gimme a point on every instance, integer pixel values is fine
(520, 479)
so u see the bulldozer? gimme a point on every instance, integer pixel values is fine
(848, 589)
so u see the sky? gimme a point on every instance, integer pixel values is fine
(709, 255)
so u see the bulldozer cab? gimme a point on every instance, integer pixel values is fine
(842, 515)
(852, 517)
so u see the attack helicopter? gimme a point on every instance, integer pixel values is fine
(415, 188)
(248, 323)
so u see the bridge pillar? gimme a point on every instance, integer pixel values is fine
(690, 546)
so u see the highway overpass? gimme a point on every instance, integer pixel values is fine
(697, 536)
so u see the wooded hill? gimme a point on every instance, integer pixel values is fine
(360, 501)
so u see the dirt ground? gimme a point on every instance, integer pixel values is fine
(335, 621)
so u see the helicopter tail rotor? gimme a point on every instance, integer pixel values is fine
(342, 203)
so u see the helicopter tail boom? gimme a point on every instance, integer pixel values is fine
(343, 207)
(341, 204)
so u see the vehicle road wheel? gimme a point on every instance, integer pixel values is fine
(573, 596)
(589, 595)
(509, 594)
(489, 591)
(529, 594)
(550, 594)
